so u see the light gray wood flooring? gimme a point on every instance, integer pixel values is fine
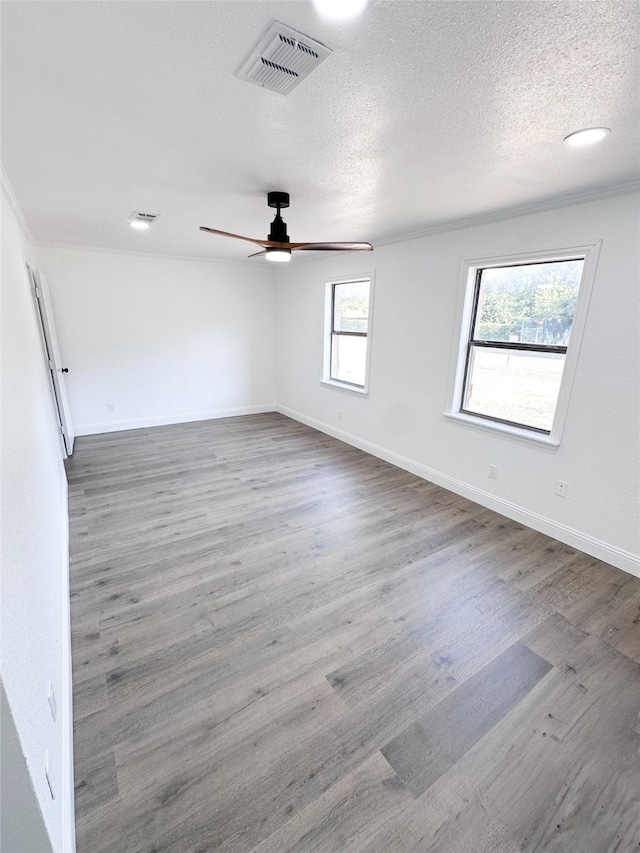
(281, 643)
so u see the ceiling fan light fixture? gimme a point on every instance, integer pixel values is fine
(339, 10)
(588, 136)
(280, 256)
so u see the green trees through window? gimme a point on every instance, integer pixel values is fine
(531, 303)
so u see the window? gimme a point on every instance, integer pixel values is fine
(347, 333)
(519, 325)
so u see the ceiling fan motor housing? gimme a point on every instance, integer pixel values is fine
(278, 231)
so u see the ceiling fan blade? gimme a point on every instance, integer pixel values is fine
(316, 247)
(237, 236)
(332, 247)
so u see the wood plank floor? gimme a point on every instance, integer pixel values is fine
(283, 644)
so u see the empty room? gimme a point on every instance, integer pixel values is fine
(320, 442)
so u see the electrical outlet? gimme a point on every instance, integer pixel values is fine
(47, 775)
(561, 488)
(493, 472)
(51, 699)
(339, 414)
(111, 407)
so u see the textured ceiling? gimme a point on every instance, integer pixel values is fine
(425, 113)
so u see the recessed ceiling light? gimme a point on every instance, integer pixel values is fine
(588, 136)
(139, 225)
(339, 10)
(279, 255)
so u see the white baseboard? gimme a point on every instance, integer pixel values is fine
(66, 716)
(618, 557)
(164, 420)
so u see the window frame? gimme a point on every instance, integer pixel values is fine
(464, 341)
(330, 331)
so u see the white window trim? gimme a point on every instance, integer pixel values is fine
(464, 308)
(326, 352)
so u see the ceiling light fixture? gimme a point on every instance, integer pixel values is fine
(588, 136)
(139, 225)
(339, 10)
(281, 256)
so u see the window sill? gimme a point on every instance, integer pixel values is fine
(344, 386)
(504, 429)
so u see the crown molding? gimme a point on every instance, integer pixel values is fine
(514, 212)
(43, 244)
(441, 228)
(15, 204)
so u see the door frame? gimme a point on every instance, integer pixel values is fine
(51, 353)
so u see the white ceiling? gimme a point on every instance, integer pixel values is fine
(425, 113)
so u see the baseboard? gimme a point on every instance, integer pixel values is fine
(68, 795)
(618, 557)
(164, 420)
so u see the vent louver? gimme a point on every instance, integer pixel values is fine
(282, 58)
(136, 216)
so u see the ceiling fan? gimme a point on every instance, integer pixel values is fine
(277, 246)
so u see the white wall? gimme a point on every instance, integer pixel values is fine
(34, 637)
(414, 327)
(163, 340)
(22, 829)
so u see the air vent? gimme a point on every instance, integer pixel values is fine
(143, 217)
(282, 58)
